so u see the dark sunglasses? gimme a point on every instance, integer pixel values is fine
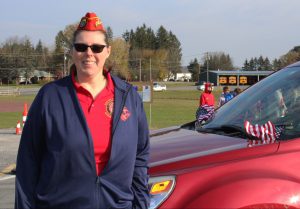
(96, 48)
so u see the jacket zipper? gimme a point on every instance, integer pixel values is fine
(98, 192)
(98, 180)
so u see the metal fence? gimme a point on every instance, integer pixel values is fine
(9, 91)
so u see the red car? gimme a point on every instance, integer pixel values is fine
(246, 155)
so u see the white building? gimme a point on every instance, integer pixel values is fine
(185, 75)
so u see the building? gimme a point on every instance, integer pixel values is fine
(184, 75)
(234, 77)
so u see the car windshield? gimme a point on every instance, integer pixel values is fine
(275, 99)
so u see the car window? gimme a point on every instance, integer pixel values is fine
(275, 99)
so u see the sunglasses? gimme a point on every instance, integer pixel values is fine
(96, 48)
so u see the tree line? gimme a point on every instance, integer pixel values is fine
(262, 63)
(222, 61)
(140, 54)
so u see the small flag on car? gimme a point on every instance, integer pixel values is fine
(263, 134)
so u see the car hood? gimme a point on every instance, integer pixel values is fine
(176, 144)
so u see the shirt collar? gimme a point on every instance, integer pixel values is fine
(109, 84)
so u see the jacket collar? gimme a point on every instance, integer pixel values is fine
(120, 84)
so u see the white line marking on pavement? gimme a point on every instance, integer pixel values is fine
(6, 178)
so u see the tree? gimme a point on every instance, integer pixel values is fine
(162, 38)
(109, 33)
(18, 57)
(174, 54)
(194, 68)
(260, 63)
(267, 64)
(162, 48)
(29, 61)
(217, 61)
(119, 58)
(246, 65)
(289, 58)
(277, 64)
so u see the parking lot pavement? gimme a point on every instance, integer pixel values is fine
(9, 143)
(7, 192)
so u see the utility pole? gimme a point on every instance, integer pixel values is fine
(140, 70)
(150, 71)
(64, 71)
(207, 74)
(199, 73)
(66, 49)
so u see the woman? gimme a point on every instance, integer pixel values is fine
(86, 142)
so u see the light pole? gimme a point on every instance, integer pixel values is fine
(207, 74)
(66, 50)
(64, 71)
(150, 71)
(140, 70)
(199, 73)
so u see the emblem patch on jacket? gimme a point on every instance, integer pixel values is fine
(125, 114)
(109, 107)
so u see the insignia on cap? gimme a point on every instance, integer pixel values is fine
(82, 23)
(97, 23)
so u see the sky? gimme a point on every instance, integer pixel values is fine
(241, 28)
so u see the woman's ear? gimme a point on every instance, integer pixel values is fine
(108, 51)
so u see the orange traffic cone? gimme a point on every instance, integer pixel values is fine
(18, 128)
(25, 112)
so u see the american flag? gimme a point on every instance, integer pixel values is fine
(263, 134)
(204, 113)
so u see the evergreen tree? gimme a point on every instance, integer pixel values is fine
(260, 63)
(29, 61)
(277, 65)
(251, 64)
(109, 33)
(246, 65)
(194, 68)
(162, 38)
(267, 64)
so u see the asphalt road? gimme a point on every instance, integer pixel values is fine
(7, 192)
(9, 143)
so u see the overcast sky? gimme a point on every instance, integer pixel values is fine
(241, 28)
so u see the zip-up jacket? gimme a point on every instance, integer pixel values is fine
(56, 166)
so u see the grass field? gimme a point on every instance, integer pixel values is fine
(168, 108)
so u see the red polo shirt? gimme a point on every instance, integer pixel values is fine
(98, 114)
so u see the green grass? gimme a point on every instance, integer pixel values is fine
(170, 112)
(168, 108)
(23, 98)
(10, 119)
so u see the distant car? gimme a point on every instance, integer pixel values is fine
(247, 155)
(159, 87)
(202, 87)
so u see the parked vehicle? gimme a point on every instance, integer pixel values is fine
(246, 156)
(201, 87)
(159, 87)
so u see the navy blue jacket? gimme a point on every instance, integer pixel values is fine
(56, 166)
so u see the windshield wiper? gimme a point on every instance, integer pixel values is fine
(227, 130)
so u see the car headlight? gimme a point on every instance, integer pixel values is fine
(160, 189)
